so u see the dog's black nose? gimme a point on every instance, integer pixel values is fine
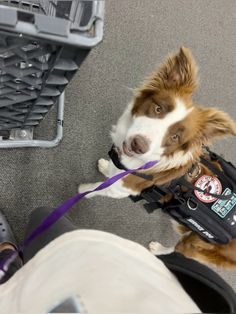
(139, 144)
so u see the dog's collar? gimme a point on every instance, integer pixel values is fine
(113, 154)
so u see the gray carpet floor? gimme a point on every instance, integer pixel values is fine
(138, 34)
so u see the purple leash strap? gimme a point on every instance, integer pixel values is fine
(58, 212)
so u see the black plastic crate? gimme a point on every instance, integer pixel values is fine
(42, 44)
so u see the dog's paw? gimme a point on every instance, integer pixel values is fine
(103, 165)
(154, 247)
(157, 248)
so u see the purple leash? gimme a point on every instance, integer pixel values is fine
(58, 212)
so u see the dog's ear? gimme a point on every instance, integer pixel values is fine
(178, 73)
(216, 124)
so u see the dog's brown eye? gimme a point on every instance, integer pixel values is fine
(158, 108)
(175, 137)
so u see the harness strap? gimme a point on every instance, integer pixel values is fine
(113, 154)
(191, 186)
(154, 193)
(220, 174)
(216, 171)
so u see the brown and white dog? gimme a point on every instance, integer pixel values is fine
(162, 123)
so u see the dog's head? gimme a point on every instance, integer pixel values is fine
(163, 123)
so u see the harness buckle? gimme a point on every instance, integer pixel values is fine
(153, 194)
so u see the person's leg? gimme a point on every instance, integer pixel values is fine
(7, 248)
(63, 225)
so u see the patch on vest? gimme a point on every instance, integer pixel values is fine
(208, 184)
(223, 207)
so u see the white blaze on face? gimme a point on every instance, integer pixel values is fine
(155, 129)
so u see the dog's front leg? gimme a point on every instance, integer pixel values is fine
(103, 166)
(114, 191)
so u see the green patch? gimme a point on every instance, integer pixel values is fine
(223, 207)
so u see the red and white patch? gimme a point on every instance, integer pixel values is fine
(209, 184)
